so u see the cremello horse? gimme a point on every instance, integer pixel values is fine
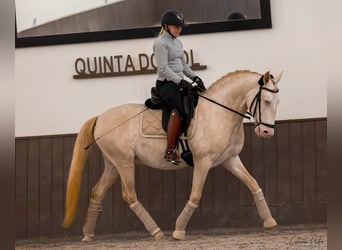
(216, 140)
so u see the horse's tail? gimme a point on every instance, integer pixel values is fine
(80, 154)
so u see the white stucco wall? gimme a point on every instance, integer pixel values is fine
(49, 101)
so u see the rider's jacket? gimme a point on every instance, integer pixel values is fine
(170, 59)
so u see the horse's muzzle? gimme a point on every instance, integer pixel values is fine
(264, 131)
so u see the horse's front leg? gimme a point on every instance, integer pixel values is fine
(199, 177)
(238, 169)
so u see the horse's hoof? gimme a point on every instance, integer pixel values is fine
(178, 235)
(270, 223)
(272, 231)
(87, 239)
(159, 235)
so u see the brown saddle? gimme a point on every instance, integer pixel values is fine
(190, 100)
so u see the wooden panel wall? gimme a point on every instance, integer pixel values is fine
(291, 167)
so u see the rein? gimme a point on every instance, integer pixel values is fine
(96, 139)
(225, 107)
(256, 100)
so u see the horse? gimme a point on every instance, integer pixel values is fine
(220, 110)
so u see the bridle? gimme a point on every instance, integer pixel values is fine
(256, 102)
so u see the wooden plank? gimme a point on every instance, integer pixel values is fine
(233, 217)
(283, 162)
(94, 173)
(106, 219)
(232, 192)
(309, 161)
(169, 196)
(57, 187)
(247, 217)
(233, 184)
(156, 202)
(219, 197)
(68, 145)
(118, 209)
(257, 161)
(321, 212)
(21, 188)
(83, 202)
(181, 184)
(298, 209)
(309, 171)
(207, 202)
(196, 219)
(143, 191)
(296, 152)
(271, 171)
(45, 165)
(321, 160)
(244, 194)
(33, 188)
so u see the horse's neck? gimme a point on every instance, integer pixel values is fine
(232, 91)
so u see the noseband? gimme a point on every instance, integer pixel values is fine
(255, 101)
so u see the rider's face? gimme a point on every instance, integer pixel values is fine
(175, 30)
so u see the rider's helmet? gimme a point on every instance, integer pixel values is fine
(173, 17)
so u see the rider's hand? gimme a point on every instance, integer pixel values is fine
(200, 84)
(185, 84)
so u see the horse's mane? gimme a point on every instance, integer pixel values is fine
(229, 77)
(233, 74)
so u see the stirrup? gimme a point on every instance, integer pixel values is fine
(174, 154)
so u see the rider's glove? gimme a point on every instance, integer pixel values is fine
(200, 84)
(184, 84)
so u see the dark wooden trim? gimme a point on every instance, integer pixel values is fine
(290, 167)
(247, 123)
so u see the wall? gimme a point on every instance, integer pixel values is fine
(49, 101)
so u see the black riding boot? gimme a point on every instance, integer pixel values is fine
(173, 127)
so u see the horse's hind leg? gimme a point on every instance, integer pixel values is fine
(129, 195)
(107, 180)
(238, 169)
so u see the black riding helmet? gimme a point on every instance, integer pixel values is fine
(173, 17)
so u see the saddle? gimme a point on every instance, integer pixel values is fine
(190, 100)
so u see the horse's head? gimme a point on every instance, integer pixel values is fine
(263, 102)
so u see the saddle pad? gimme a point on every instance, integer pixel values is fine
(151, 125)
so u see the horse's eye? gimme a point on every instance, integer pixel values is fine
(267, 102)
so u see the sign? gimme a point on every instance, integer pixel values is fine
(119, 65)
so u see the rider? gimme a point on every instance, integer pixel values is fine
(171, 68)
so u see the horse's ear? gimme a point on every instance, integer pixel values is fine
(266, 77)
(277, 79)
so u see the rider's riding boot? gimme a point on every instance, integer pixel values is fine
(173, 127)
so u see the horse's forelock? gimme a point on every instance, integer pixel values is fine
(274, 84)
